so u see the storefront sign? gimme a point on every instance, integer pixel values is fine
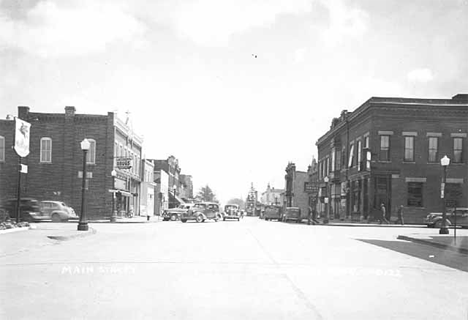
(124, 163)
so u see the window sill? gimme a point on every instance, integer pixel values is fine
(409, 162)
(44, 162)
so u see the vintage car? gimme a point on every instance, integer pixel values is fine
(231, 211)
(292, 214)
(458, 216)
(57, 211)
(200, 212)
(273, 212)
(29, 209)
(174, 213)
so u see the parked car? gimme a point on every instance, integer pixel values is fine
(29, 209)
(174, 213)
(201, 211)
(57, 210)
(231, 211)
(292, 214)
(273, 212)
(434, 219)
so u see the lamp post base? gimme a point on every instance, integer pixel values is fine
(83, 226)
(444, 230)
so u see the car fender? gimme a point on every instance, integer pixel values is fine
(62, 214)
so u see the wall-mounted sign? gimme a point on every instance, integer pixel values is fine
(124, 162)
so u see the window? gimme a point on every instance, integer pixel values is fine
(359, 152)
(366, 142)
(384, 154)
(409, 149)
(415, 194)
(338, 160)
(2, 149)
(46, 150)
(91, 155)
(433, 149)
(332, 163)
(351, 156)
(457, 150)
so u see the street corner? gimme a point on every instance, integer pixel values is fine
(72, 234)
(447, 242)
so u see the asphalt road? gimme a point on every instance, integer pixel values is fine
(252, 269)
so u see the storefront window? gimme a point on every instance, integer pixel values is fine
(415, 194)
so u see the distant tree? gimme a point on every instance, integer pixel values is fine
(237, 201)
(206, 194)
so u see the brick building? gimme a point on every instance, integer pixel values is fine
(171, 167)
(55, 161)
(295, 192)
(186, 187)
(388, 151)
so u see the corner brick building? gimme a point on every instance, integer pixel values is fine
(295, 193)
(55, 161)
(388, 151)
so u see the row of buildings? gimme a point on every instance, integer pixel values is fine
(387, 151)
(119, 177)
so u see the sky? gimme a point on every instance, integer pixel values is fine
(235, 89)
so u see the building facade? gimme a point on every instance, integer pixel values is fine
(272, 196)
(171, 167)
(147, 202)
(55, 161)
(296, 182)
(186, 188)
(388, 152)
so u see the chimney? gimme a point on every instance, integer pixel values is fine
(23, 112)
(70, 111)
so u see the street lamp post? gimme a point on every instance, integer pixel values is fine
(113, 216)
(327, 201)
(83, 224)
(444, 162)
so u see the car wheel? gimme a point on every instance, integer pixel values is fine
(56, 217)
(438, 224)
(173, 217)
(199, 218)
(238, 219)
(183, 220)
(224, 219)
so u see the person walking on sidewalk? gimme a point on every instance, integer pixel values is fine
(400, 216)
(383, 211)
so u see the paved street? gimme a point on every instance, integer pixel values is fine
(252, 269)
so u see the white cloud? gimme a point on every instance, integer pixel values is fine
(212, 22)
(420, 75)
(344, 22)
(53, 29)
(299, 55)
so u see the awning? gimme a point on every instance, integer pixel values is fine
(179, 200)
(124, 193)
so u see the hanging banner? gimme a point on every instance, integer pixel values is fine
(22, 129)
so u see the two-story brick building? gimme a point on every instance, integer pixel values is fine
(55, 161)
(295, 192)
(388, 151)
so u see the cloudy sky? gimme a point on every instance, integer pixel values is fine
(235, 89)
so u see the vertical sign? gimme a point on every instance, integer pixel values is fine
(22, 129)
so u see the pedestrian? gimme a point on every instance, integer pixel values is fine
(400, 216)
(309, 216)
(383, 217)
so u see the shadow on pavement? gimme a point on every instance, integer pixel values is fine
(436, 255)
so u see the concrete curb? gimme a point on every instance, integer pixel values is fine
(14, 230)
(375, 225)
(434, 244)
(82, 234)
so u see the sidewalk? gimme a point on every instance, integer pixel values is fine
(135, 219)
(447, 242)
(364, 223)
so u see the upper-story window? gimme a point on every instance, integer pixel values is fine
(433, 149)
(46, 150)
(359, 152)
(366, 142)
(457, 150)
(351, 156)
(384, 154)
(338, 160)
(409, 149)
(91, 155)
(2, 149)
